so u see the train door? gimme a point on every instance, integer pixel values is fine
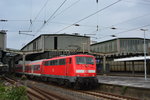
(32, 68)
(68, 66)
(42, 67)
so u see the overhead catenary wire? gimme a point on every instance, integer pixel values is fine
(133, 19)
(138, 2)
(134, 29)
(41, 10)
(89, 15)
(56, 11)
(45, 22)
(128, 20)
(31, 22)
(66, 8)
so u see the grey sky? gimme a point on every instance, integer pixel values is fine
(19, 12)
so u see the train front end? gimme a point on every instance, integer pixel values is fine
(85, 71)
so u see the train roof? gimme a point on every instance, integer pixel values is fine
(62, 57)
(36, 61)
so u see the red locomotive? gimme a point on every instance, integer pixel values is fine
(77, 70)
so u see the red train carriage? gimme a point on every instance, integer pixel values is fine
(74, 69)
(31, 68)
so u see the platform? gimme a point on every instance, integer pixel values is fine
(138, 82)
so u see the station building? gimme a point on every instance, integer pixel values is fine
(49, 42)
(121, 48)
(51, 45)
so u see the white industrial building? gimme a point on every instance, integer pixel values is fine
(49, 42)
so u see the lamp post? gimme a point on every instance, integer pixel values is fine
(83, 47)
(144, 48)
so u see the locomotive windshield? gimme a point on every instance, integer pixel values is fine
(84, 60)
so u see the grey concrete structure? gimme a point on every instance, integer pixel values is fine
(2, 44)
(136, 87)
(125, 81)
(49, 42)
(121, 45)
(2, 40)
(121, 48)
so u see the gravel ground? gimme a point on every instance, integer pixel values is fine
(71, 95)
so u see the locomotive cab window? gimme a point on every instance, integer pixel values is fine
(84, 60)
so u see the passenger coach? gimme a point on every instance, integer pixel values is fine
(74, 69)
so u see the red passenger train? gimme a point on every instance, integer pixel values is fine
(77, 70)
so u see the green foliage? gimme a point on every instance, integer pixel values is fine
(124, 89)
(13, 93)
(23, 77)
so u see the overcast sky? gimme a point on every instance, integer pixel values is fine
(125, 15)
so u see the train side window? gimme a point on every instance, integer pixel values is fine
(36, 67)
(62, 62)
(50, 62)
(55, 62)
(46, 63)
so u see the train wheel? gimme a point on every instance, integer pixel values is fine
(61, 82)
(44, 79)
(67, 83)
(77, 85)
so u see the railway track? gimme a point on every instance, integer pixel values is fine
(109, 96)
(97, 94)
(37, 92)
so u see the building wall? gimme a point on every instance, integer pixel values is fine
(48, 43)
(134, 45)
(35, 45)
(105, 47)
(121, 48)
(70, 42)
(64, 42)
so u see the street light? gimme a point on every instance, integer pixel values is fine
(83, 47)
(144, 48)
(3, 20)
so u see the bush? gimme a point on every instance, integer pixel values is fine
(13, 93)
(23, 77)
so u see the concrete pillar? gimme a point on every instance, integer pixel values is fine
(133, 70)
(104, 64)
(125, 66)
(24, 58)
(12, 65)
(118, 45)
